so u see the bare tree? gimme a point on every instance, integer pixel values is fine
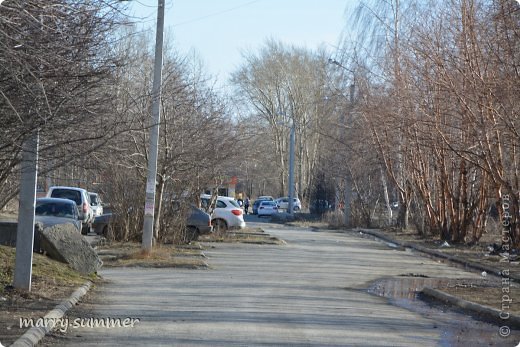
(439, 108)
(285, 86)
(56, 64)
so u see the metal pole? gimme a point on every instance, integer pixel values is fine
(348, 190)
(25, 231)
(149, 206)
(291, 171)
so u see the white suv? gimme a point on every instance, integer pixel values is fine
(81, 198)
(227, 213)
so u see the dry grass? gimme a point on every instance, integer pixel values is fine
(130, 254)
(476, 253)
(246, 235)
(48, 276)
(488, 296)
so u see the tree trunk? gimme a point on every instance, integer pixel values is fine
(158, 209)
(386, 197)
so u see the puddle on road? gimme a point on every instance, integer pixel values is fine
(457, 328)
(408, 286)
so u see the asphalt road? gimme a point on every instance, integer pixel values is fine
(311, 291)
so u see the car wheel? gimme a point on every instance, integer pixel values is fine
(296, 208)
(219, 225)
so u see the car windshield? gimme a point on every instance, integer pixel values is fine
(268, 203)
(57, 209)
(73, 195)
(270, 198)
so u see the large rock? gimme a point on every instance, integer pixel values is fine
(64, 243)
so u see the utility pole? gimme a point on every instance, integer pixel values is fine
(291, 171)
(149, 207)
(347, 189)
(28, 180)
(25, 229)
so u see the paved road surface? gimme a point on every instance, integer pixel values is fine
(311, 291)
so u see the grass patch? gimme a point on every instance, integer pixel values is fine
(49, 277)
(488, 296)
(246, 235)
(127, 254)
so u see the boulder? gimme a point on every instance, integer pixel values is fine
(62, 242)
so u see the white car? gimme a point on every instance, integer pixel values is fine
(96, 204)
(227, 213)
(283, 203)
(267, 208)
(81, 198)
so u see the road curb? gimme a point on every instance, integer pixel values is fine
(32, 336)
(482, 310)
(439, 254)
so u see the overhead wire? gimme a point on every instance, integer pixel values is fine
(198, 19)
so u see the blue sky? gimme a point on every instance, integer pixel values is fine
(217, 30)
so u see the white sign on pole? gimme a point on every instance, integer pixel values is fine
(148, 208)
(150, 187)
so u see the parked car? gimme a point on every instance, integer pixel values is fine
(96, 204)
(260, 199)
(227, 213)
(53, 211)
(283, 203)
(198, 223)
(102, 223)
(267, 208)
(81, 198)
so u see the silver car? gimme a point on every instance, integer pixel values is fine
(81, 198)
(53, 211)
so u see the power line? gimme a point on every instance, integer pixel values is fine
(198, 19)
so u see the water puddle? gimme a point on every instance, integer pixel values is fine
(457, 328)
(409, 285)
